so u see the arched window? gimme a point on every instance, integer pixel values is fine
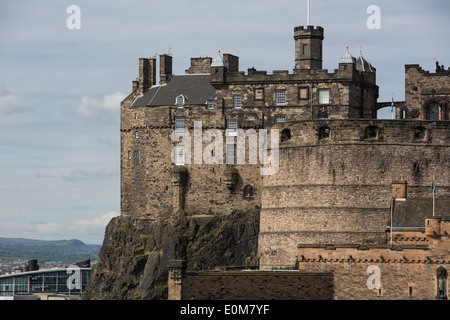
(285, 135)
(248, 192)
(441, 275)
(324, 132)
(433, 111)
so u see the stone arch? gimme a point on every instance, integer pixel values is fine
(436, 109)
(433, 110)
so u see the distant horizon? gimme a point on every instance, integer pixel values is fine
(33, 239)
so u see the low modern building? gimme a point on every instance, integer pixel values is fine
(62, 283)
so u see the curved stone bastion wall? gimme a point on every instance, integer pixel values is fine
(335, 181)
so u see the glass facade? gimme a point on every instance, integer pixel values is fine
(57, 281)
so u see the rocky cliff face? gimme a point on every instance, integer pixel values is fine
(134, 255)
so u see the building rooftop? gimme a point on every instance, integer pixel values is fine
(196, 88)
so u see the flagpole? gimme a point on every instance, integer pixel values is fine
(434, 189)
(308, 11)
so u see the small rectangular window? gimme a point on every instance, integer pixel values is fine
(136, 158)
(231, 154)
(237, 101)
(324, 96)
(305, 49)
(180, 123)
(231, 127)
(136, 134)
(280, 97)
(303, 93)
(129, 155)
(259, 94)
(210, 104)
(280, 118)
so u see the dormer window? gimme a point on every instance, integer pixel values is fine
(179, 102)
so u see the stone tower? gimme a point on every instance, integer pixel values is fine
(308, 47)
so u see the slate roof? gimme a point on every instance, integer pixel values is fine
(413, 212)
(363, 65)
(196, 88)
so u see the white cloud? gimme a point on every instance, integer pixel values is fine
(93, 174)
(95, 223)
(10, 103)
(93, 228)
(104, 110)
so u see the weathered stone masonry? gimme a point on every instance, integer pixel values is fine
(340, 168)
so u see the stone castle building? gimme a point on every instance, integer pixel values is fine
(350, 192)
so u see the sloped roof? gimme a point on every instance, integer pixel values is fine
(413, 212)
(363, 65)
(196, 88)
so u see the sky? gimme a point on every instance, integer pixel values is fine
(61, 87)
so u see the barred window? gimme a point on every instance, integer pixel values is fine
(237, 101)
(231, 127)
(280, 97)
(280, 118)
(136, 158)
(231, 154)
(180, 123)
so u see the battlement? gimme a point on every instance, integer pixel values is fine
(371, 131)
(418, 68)
(309, 30)
(329, 253)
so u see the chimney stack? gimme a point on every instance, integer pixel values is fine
(165, 68)
(147, 74)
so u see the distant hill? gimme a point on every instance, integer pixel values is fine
(69, 251)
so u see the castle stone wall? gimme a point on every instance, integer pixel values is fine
(339, 189)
